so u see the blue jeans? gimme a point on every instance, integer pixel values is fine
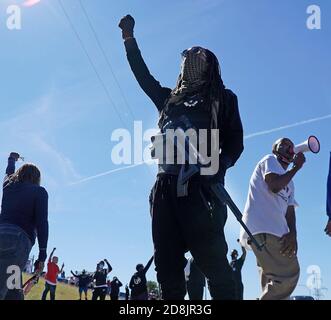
(15, 247)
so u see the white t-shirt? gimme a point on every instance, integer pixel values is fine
(265, 211)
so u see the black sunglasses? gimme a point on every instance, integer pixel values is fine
(195, 50)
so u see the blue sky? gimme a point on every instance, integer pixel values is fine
(55, 112)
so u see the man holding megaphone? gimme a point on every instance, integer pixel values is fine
(270, 216)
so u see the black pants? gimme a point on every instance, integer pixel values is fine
(99, 293)
(195, 291)
(187, 224)
(51, 289)
(239, 290)
(114, 296)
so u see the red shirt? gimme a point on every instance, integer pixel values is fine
(52, 272)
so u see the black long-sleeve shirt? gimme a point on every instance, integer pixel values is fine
(84, 279)
(100, 276)
(26, 206)
(138, 282)
(231, 131)
(115, 287)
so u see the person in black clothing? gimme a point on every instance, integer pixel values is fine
(138, 282)
(196, 281)
(100, 278)
(127, 293)
(24, 215)
(84, 279)
(187, 217)
(236, 266)
(115, 288)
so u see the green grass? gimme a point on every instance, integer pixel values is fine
(63, 291)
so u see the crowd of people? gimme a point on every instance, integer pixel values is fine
(101, 286)
(186, 209)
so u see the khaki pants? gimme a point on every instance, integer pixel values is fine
(279, 274)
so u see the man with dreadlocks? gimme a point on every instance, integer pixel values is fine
(190, 219)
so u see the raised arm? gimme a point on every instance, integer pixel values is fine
(277, 182)
(13, 157)
(51, 255)
(244, 253)
(109, 267)
(147, 82)
(148, 264)
(74, 274)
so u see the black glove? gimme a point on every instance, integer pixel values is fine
(127, 25)
(14, 155)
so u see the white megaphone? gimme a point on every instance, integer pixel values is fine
(310, 145)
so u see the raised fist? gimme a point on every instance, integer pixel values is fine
(14, 155)
(127, 24)
(299, 160)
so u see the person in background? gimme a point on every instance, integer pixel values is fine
(100, 278)
(270, 215)
(84, 279)
(23, 218)
(195, 281)
(108, 289)
(236, 266)
(138, 283)
(53, 271)
(127, 293)
(115, 288)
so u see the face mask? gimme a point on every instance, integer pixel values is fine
(194, 66)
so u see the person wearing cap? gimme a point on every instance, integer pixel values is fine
(236, 266)
(100, 278)
(270, 216)
(115, 285)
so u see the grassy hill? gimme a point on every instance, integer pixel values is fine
(63, 291)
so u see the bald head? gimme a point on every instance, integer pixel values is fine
(283, 148)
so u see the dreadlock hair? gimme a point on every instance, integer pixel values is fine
(213, 89)
(27, 173)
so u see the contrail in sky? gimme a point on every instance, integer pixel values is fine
(249, 136)
(296, 124)
(110, 172)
